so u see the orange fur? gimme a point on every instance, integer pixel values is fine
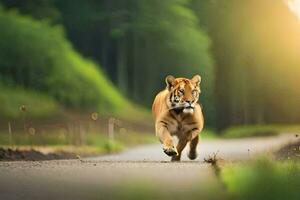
(177, 113)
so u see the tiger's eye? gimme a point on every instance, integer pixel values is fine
(181, 91)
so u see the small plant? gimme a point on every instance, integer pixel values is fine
(212, 159)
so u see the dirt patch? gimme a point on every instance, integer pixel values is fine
(32, 155)
(290, 151)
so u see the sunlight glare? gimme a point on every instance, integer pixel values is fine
(294, 6)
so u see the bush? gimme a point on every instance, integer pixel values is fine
(36, 55)
(250, 131)
(263, 179)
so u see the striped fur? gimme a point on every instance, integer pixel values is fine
(177, 113)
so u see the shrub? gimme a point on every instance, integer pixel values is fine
(263, 179)
(36, 55)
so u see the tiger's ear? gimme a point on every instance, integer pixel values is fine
(196, 80)
(170, 81)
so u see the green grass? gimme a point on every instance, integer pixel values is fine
(143, 189)
(35, 105)
(259, 130)
(208, 134)
(263, 179)
(53, 67)
(88, 143)
(250, 131)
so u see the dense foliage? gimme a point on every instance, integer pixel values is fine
(263, 179)
(256, 48)
(138, 43)
(249, 77)
(36, 55)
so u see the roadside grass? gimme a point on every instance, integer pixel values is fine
(145, 188)
(259, 130)
(251, 131)
(142, 189)
(32, 120)
(262, 179)
(208, 134)
(81, 144)
(18, 102)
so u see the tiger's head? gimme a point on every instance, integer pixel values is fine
(183, 93)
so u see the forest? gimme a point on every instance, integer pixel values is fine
(78, 78)
(110, 55)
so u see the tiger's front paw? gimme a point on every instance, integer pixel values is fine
(175, 158)
(170, 151)
(192, 155)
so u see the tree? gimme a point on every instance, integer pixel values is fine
(36, 55)
(255, 45)
(139, 43)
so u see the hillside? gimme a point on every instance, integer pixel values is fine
(36, 56)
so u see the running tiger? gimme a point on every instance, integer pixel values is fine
(177, 113)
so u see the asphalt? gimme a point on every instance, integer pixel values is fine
(228, 149)
(112, 176)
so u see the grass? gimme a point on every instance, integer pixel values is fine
(17, 103)
(21, 108)
(263, 179)
(53, 67)
(208, 134)
(142, 189)
(84, 144)
(89, 143)
(250, 131)
(259, 130)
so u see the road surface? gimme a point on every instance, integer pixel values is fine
(230, 149)
(125, 174)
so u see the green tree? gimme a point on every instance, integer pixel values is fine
(36, 55)
(255, 44)
(39, 9)
(138, 43)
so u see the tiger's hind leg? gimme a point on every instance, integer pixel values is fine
(193, 148)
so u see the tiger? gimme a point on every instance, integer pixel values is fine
(177, 113)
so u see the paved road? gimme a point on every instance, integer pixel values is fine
(230, 149)
(112, 176)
